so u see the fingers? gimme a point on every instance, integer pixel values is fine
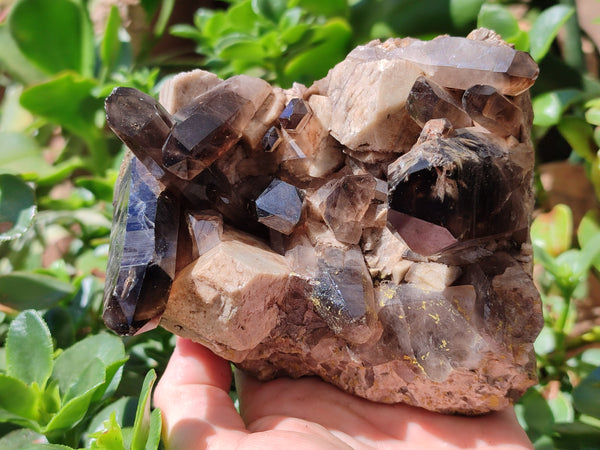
(193, 395)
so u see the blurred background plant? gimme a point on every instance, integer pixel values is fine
(65, 381)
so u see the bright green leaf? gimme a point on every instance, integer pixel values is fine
(241, 49)
(69, 364)
(21, 290)
(124, 411)
(592, 115)
(464, 12)
(29, 349)
(242, 17)
(580, 136)
(549, 107)
(66, 100)
(110, 46)
(155, 428)
(553, 230)
(20, 154)
(17, 207)
(54, 35)
(110, 437)
(17, 398)
(13, 62)
(545, 28)
(500, 19)
(561, 406)
(90, 377)
(141, 427)
(166, 8)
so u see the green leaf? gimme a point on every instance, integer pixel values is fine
(73, 93)
(19, 439)
(553, 230)
(13, 62)
(90, 377)
(234, 47)
(537, 414)
(463, 12)
(21, 154)
(18, 399)
(329, 8)
(110, 437)
(592, 115)
(22, 290)
(545, 28)
(586, 396)
(155, 428)
(17, 207)
(580, 136)
(269, 9)
(124, 411)
(110, 46)
(141, 427)
(576, 435)
(549, 107)
(55, 35)
(500, 19)
(29, 349)
(69, 364)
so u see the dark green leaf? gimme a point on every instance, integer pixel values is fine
(55, 35)
(29, 349)
(580, 136)
(586, 396)
(537, 413)
(141, 427)
(17, 207)
(110, 46)
(545, 28)
(269, 9)
(576, 435)
(21, 290)
(549, 107)
(18, 399)
(328, 9)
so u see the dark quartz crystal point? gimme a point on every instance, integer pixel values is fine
(271, 140)
(293, 114)
(279, 207)
(343, 293)
(493, 111)
(202, 137)
(427, 100)
(141, 263)
(455, 183)
(139, 121)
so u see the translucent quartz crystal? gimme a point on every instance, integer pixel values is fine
(142, 260)
(371, 229)
(279, 206)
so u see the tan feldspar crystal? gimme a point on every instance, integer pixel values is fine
(371, 229)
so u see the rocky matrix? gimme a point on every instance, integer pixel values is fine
(371, 229)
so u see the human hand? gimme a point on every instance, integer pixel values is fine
(306, 413)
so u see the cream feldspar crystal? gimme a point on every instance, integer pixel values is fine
(371, 229)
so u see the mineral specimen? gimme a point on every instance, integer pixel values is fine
(371, 229)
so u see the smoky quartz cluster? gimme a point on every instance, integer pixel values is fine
(371, 229)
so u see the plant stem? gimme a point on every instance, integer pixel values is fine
(572, 51)
(561, 323)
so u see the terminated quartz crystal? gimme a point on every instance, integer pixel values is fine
(371, 230)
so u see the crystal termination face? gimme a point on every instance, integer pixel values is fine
(371, 229)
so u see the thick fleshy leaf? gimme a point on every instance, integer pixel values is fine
(463, 12)
(21, 154)
(141, 427)
(124, 412)
(155, 428)
(29, 349)
(17, 207)
(501, 20)
(545, 28)
(55, 36)
(17, 398)
(109, 437)
(580, 136)
(537, 413)
(72, 412)
(553, 230)
(110, 46)
(13, 61)
(586, 396)
(270, 9)
(21, 438)
(23, 290)
(69, 364)
(549, 107)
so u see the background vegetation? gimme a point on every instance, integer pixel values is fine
(65, 382)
